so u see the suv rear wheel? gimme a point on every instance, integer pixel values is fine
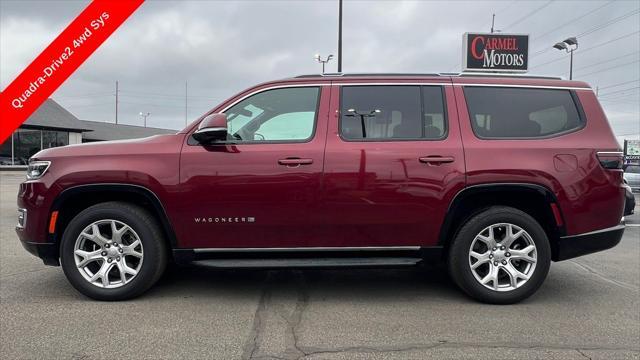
(500, 256)
(113, 251)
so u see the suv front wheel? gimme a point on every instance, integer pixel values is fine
(500, 256)
(113, 251)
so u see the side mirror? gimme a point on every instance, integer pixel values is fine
(211, 129)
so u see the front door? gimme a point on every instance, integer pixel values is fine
(394, 161)
(261, 188)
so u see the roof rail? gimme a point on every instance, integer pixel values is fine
(495, 74)
(457, 74)
(366, 74)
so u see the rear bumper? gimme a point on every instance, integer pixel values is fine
(569, 247)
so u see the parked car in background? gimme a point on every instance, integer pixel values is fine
(495, 175)
(630, 203)
(632, 176)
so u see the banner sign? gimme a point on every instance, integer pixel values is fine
(632, 150)
(60, 59)
(495, 52)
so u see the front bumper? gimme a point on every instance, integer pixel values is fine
(46, 251)
(569, 247)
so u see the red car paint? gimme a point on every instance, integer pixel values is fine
(352, 194)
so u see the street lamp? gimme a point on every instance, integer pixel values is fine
(323, 62)
(569, 45)
(144, 116)
(363, 115)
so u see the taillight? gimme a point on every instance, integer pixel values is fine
(611, 159)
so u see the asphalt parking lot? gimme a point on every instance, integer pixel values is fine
(588, 308)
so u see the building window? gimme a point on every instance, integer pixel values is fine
(26, 143)
(5, 152)
(54, 138)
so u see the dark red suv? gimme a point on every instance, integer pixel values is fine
(496, 175)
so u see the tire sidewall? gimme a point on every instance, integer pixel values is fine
(145, 229)
(459, 256)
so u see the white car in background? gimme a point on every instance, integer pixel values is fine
(632, 176)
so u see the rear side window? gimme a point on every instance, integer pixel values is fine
(382, 113)
(521, 113)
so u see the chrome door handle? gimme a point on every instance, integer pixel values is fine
(294, 162)
(436, 160)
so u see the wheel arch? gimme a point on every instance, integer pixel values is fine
(71, 201)
(535, 200)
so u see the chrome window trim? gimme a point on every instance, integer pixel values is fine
(272, 88)
(302, 249)
(526, 86)
(393, 83)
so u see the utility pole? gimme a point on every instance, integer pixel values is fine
(339, 36)
(493, 21)
(116, 101)
(185, 103)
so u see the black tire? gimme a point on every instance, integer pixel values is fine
(151, 237)
(458, 258)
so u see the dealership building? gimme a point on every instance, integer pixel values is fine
(52, 125)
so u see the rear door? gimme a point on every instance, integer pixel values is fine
(393, 163)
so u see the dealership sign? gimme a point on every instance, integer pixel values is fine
(495, 52)
(632, 150)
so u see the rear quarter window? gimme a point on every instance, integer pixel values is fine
(517, 113)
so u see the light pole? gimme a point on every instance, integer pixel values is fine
(569, 45)
(363, 115)
(144, 116)
(323, 62)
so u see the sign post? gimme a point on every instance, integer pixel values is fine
(491, 52)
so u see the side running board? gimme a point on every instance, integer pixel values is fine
(308, 263)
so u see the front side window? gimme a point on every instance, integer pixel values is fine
(521, 113)
(286, 114)
(633, 169)
(392, 113)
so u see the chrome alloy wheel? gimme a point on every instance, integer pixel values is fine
(502, 257)
(108, 253)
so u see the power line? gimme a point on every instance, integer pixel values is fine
(590, 48)
(608, 23)
(529, 14)
(592, 30)
(565, 23)
(617, 67)
(620, 91)
(618, 84)
(606, 61)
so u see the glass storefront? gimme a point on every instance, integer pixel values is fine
(24, 143)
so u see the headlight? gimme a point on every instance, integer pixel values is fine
(37, 169)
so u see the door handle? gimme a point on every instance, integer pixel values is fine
(436, 160)
(295, 162)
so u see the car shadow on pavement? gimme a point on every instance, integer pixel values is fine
(355, 284)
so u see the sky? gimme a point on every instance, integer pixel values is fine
(219, 48)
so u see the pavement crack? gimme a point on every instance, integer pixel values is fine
(258, 321)
(296, 318)
(593, 271)
(583, 354)
(375, 349)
